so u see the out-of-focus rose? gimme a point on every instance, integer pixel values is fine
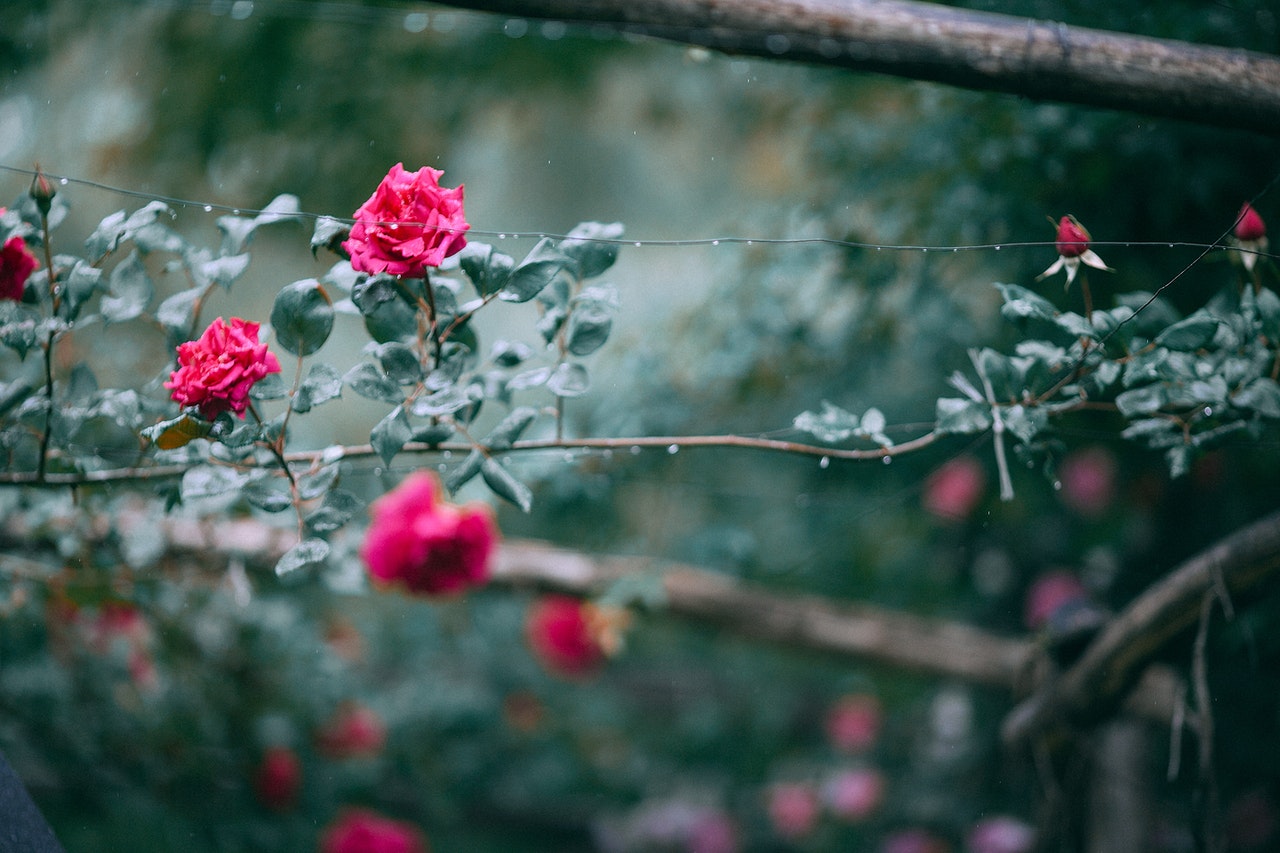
(1049, 592)
(16, 265)
(954, 490)
(713, 831)
(366, 831)
(562, 636)
(854, 795)
(793, 808)
(426, 545)
(1088, 478)
(353, 732)
(409, 224)
(1001, 834)
(853, 722)
(278, 778)
(914, 841)
(216, 371)
(1250, 235)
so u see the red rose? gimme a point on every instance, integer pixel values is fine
(354, 732)
(954, 490)
(409, 224)
(278, 778)
(853, 722)
(793, 809)
(217, 371)
(365, 831)
(16, 265)
(429, 546)
(1249, 225)
(1073, 239)
(559, 631)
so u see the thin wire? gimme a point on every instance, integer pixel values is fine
(235, 210)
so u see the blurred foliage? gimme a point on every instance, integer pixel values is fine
(485, 750)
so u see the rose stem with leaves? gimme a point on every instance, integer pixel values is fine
(43, 195)
(278, 452)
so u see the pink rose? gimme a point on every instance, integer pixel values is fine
(353, 732)
(853, 722)
(1049, 592)
(278, 778)
(1088, 479)
(1249, 225)
(365, 831)
(914, 841)
(954, 490)
(559, 631)
(854, 795)
(409, 224)
(428, 546)
(1001, 834)
(16, 265)
(1072, 240)
(217, 371)
(793, 809)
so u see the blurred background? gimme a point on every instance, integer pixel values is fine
(140, 701)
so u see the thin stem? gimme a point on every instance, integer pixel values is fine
(55, 300)
(437, 346)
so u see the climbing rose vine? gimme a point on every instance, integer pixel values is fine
(426, 545)
(410, 223)
(216, 372)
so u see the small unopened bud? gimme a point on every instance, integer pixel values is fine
(1249, 225)
(42, 191)
(1073, 239)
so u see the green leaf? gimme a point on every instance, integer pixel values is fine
(1262, 395)
(368, 380)
(464, 472)
(588, 328)
(569, 379)
(1152, 429)
(308, 552)
(79, 285)
(1188, 335)
(18, 326)
(13, 393)
(336, 510)
(269, 387)
(529, 379)
(176, 432)
(962, 416)
(390, 434)
(269, 494)
(322, 384)
(1022, 304)
(505, 485)
(130, 289)
(433, 434)
(1145, 400)
(302, 317)
(206, 481)
(510, 353)
(593, 246)
(400, 362)
(222, 271)
(832, 425)
(117, 227)
(540, 267)
(1153, 312)
(488, 269)
(446, 401)
(175, 313)
(1025, 422)
(313, 484)
(329, 234)
(510, 428)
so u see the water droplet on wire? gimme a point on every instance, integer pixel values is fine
(673, 449)
(825, 462)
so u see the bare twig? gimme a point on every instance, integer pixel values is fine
(1116, 658)
(979, 50)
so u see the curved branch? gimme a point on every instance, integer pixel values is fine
(1113, 661)
(959, 47)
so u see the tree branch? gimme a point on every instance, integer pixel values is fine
(1112, 663)
(976, 50)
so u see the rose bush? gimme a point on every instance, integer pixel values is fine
(417, 541)
(216, 371)
(409, 224)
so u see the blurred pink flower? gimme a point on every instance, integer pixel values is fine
(410, 223)
(559, 632)
(854, 795)
(277, 778)
(913, 841)
(853, 722)
(1049, 592)
(793, 808)
(713, 832)
(954, 490)
(430, 547)
(366, 831)
(216, 372)
(1001, 834)
(354, 731)
(1088, 478)
(16, 265)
